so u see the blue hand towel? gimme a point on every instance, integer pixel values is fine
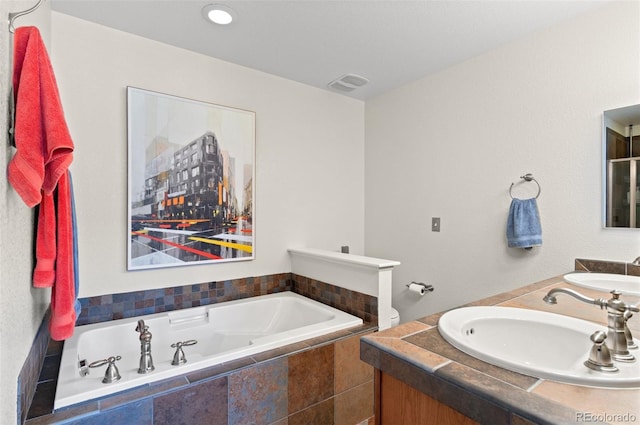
(523, 225)
(76, 271)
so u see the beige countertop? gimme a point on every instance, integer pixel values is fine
(416, 354)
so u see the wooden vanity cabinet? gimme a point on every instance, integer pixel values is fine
(400, 404)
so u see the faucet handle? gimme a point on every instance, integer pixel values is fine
(111, 374)
(617, 304)
(179, 357)
(599, 356)
(631, 344)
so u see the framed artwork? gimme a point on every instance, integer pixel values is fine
(191, 172)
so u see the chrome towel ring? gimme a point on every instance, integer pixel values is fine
(528, 178)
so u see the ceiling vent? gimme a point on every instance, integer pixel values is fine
(348, 83)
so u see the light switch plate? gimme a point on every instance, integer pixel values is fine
(435, 224)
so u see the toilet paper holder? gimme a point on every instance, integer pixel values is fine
(426, 287)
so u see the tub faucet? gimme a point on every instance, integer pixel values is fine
(146, 361)
(618, 334)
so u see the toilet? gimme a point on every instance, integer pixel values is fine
(395, 317)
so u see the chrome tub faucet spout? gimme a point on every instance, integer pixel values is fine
(146, 361)
(619, 338)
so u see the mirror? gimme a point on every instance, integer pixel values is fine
(622, 167)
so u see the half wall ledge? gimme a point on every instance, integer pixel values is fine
(367, 275)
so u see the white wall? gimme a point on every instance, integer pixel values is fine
(450, 145)
(309, 153)
(21, 306)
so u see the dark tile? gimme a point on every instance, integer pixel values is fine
(220, 369)
(318, 414)
(355, 405)
(54, 347)
(350, 371)
(110, 307)
(43, 399)
(355, 303)
(580, 267)
(495, 392)
(28, 377)
(281, 351)
(259, 394)
(50, 368)
(328, 338)
(67, 414)
(600, 266)
(370, 354)
(311, 377)
(143, 391)
(137, 413)
(201, 404)
(633, 270)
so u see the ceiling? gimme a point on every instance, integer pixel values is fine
(390, 42)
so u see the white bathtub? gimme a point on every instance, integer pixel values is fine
(224, 332)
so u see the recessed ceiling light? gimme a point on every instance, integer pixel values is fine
(218, 14)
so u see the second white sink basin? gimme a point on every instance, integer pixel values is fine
(536, 343)
(627, 285)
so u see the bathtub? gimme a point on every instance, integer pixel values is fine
(224, 332)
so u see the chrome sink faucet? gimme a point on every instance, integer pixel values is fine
(146, 361)
(619, 337)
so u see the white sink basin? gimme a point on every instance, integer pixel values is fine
(536, 343)
(628, 285)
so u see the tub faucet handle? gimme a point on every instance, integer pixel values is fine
(179, 357)
(83, 367)
(111, 374)
(142, 328)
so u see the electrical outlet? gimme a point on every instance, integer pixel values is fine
(435, 224)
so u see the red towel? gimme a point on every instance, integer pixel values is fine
(44, 151)
(44, 275)
(44, 145)
(63, 313)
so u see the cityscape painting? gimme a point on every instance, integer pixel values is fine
(191, 179)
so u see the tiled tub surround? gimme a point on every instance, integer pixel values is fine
(131, 304)
(224, 332)
(318, 381)
(417, 355)
(109, 307)
(36, 371)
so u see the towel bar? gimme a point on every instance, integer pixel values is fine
(528, 178)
